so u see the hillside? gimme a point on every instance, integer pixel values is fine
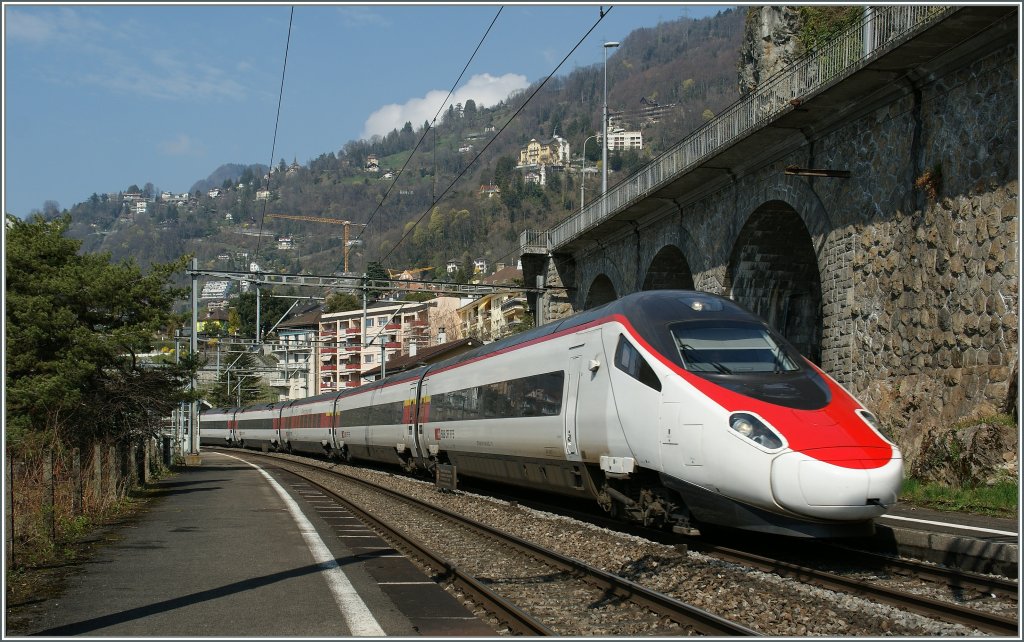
(688, 67)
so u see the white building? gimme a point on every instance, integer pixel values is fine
(620, 140)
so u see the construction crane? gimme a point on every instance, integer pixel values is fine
(320, 219)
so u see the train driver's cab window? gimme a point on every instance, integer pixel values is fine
(630, 361)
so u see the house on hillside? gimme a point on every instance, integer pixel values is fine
(553, 151)
(489, 191)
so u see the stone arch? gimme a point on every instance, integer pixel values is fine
(668, 270)
(773, 272)
(601, 291)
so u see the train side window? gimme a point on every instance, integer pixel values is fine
(630, 361)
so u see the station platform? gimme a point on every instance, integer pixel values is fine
(971, 542)
(230, 550)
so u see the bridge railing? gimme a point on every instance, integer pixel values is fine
(877, 33)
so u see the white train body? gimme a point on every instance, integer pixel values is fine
(667, 407)
(218, 427)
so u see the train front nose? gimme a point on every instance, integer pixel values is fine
(838, 483)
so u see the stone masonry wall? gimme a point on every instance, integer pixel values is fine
(919, 291)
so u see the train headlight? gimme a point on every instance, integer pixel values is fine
(873, 421)
(870, 419)
(752, 428)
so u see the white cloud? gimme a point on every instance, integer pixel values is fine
(182, 145)
(361, 17)
(484, 89)
(41, 25)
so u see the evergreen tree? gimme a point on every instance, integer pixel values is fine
(76, 326)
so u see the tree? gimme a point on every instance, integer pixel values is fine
(271, 309)
(342, 302)
(239, 384)
(376, 272)
(77, 325)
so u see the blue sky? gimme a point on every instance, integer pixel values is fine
(100, 97)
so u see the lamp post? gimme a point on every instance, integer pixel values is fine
(604, 122)
(583, 168)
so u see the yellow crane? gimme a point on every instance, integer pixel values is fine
(320, 219)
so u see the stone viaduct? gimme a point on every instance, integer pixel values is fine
(864, 201)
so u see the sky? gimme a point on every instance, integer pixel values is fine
(100, 97)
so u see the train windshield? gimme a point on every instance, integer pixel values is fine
(730, 348)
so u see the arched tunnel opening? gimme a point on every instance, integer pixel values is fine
(773, 272)
(601, 291)
(669, 270)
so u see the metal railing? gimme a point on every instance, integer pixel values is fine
(879, 33)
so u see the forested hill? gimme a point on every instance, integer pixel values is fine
(689, 67)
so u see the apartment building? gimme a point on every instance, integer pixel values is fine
(620, 140)
(495, 315)
(295, 350)
(348, 348)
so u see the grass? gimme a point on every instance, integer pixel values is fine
(998, 500)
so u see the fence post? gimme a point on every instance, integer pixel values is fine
(78, 495)
(49, 493)
(97, 474)
(113, 467)
(144, 464)
(9, 515)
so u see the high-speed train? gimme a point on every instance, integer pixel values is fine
(671, 408)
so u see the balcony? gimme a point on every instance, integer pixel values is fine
(353, 366)
(393, 327)
(328, 350)
(328, 368)
(352, 332)
(392, 345)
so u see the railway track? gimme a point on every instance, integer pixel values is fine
(783, 553)
(530, 589)
(791, 604)
(939, 609)
(780, 561)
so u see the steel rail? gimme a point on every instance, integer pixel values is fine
(679, 612)
(953, 578)
(945, 611)
(516, 619)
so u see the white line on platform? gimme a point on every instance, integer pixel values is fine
(357, 615)
(960, 526)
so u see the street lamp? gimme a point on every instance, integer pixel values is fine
(604, 122)
(583, 168)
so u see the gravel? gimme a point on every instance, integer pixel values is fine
(766, 603)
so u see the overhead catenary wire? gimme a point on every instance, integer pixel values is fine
(429, 129)
(277, 121)
(604, 12)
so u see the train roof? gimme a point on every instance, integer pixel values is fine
(645, 310)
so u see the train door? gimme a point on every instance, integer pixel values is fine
(409, 419)
(334, 426)
(583, 396)
(572, 393)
